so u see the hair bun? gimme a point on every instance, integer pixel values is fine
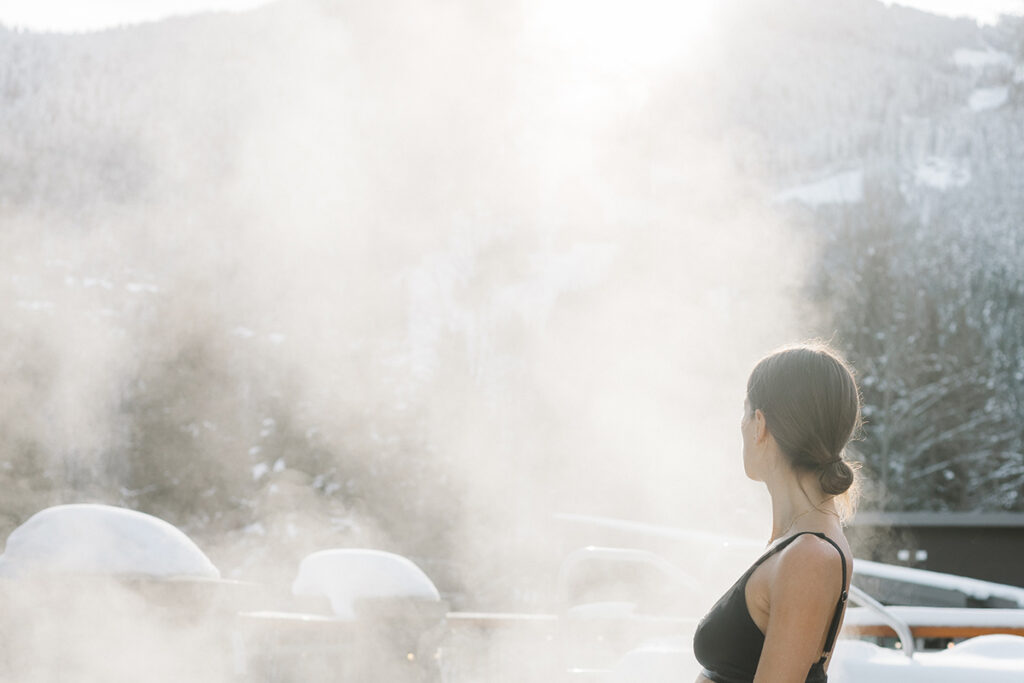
(836, 477)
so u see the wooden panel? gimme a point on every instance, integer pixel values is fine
(882, 631)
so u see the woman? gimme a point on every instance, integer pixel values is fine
(778, 622)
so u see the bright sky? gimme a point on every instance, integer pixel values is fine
(90, 15)
(86, 15)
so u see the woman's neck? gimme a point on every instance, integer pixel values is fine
(799, 505)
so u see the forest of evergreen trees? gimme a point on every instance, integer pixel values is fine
(923, 284)
(933, 318)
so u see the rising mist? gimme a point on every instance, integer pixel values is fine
(413, 277)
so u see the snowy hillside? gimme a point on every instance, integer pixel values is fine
(327, 274)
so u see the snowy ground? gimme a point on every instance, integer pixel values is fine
(91, 540)
(992, 659)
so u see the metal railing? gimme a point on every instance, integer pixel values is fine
(901, 627)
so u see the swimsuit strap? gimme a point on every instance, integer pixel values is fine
(833, 628)
(786, 541)
(779, 546)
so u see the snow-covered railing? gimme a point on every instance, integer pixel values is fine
(973, 588)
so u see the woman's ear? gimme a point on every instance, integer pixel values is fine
(760, 427)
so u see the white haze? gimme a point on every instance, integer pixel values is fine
(517, 258)
(93, 15)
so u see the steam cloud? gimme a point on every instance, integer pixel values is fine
(385, 274)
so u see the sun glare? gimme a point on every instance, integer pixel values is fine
(618, 35)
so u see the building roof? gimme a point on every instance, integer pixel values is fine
(934, 519)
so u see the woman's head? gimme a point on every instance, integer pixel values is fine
(811, 407)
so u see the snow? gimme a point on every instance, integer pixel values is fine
(977, 59)
(975, 588)
(984, 99)
(841, 188)
(940, 616)
(942, 174)
(997, 646)
(992, 659)
(345, 576)
(259, 470)
(102, 539)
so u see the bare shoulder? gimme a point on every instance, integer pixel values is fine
(802, 592)
(810, 558)
(812, 547)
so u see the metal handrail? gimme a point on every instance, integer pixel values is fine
(901, 627)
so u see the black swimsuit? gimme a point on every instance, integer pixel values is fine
(728, 643)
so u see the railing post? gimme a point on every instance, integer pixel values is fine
(891, 620)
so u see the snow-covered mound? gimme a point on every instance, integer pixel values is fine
(345, 576)
(1000, 646)
(102, 539)
(992, 659)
